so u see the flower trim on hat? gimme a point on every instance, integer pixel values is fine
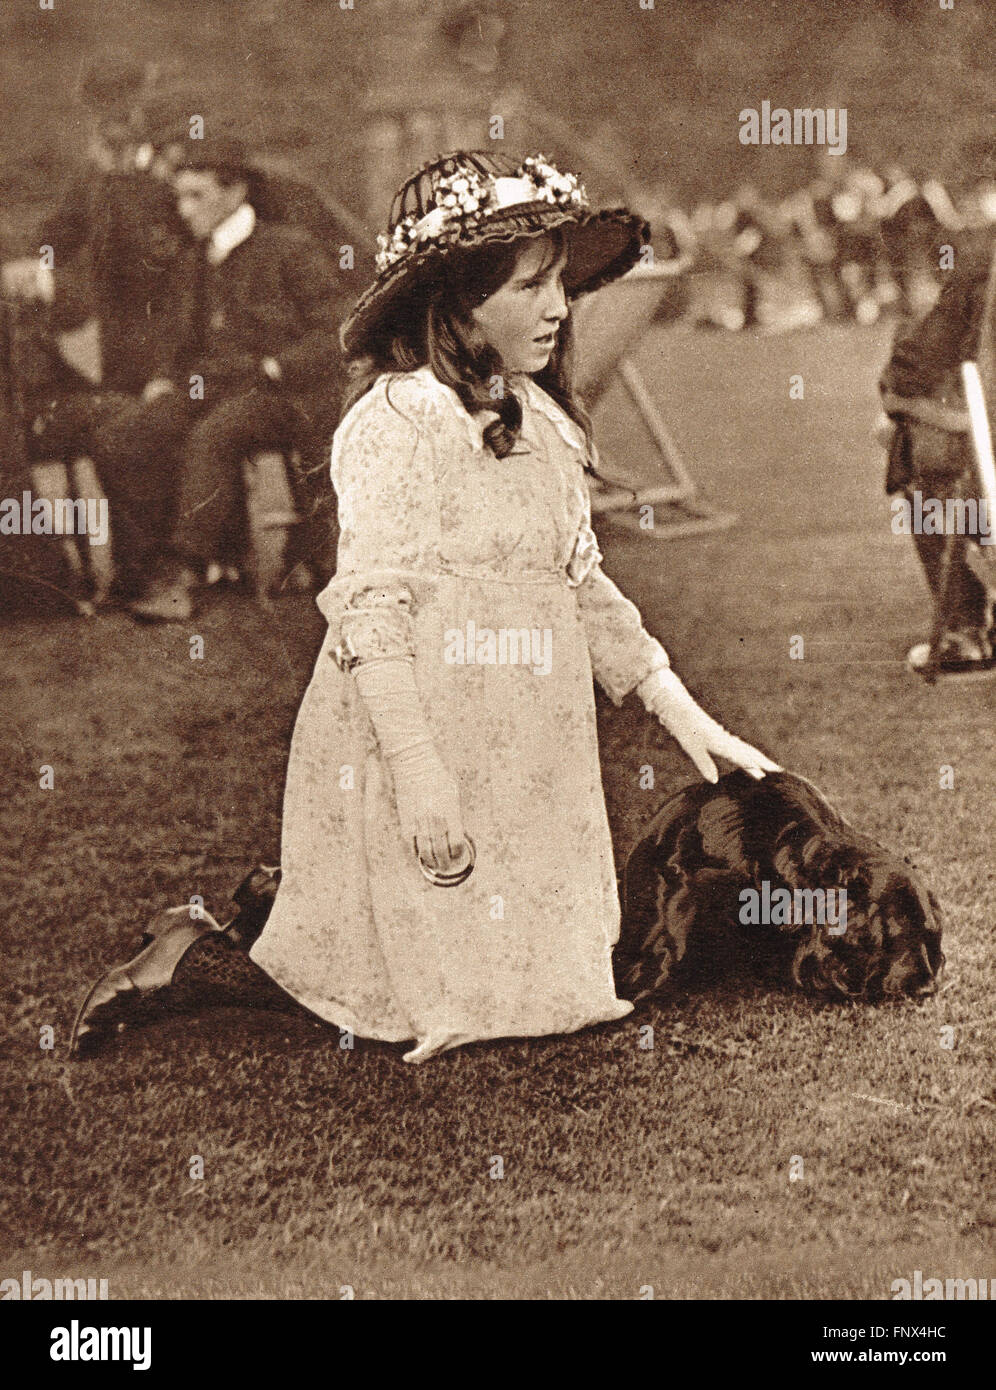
(465, 200)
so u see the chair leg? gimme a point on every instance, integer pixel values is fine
(100, 557)
(50, 480)
(272, 512)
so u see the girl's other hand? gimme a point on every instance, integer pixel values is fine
(428, 804)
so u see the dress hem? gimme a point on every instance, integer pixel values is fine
(344, 1019)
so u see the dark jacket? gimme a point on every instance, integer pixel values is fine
(926, 356)
(921, 385)
(127, 226)
(276, 295)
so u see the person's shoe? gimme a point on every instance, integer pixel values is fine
(140, 991)
(136, 991)
(963, 654)
(168, 599)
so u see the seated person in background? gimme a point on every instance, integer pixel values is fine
(254, 364)
(930, 450)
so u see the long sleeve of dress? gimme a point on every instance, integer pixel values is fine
(382, 473)
(622, 651)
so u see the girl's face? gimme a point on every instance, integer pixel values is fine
(520, 319)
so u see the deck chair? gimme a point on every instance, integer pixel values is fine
(609, 328)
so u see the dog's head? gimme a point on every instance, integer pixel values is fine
(886, 942)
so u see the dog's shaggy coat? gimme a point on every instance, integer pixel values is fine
(684, 882)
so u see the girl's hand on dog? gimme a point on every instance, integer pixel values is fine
(698, 733)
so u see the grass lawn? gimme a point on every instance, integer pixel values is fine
(623, 1167)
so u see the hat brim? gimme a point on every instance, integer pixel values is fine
(601, 246)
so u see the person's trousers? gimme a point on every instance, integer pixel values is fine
(967, 601)
(136, 449)
(172, 472)
(210, 497)
(937, 464)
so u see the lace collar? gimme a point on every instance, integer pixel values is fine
(539, 400)
(533, 396)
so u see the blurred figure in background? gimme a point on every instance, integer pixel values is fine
(917, 220)
(834, 223)
(254, 364)
(859, 257)
(117, 218)
(102, 263)
(930, 451)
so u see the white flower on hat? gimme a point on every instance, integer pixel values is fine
(464, 199)
(431, 224)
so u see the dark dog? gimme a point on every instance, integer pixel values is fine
(686, 896)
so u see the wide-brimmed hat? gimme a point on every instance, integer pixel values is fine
(472, 198)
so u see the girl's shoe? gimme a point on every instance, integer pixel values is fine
(138, 989)
(143, 988)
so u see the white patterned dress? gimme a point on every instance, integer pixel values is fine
(446, 554)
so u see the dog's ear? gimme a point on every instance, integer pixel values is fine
(934, 932)
(640, 879)
(905, 933)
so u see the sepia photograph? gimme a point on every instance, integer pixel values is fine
(497, 586)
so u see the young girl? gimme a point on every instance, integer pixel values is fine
(447, 865)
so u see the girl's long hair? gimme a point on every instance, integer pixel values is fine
(435, 330)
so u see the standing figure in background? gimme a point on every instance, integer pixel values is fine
(930, 453)
(103, 262)
(118, 217)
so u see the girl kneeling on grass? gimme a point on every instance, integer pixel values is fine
(450, 721)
